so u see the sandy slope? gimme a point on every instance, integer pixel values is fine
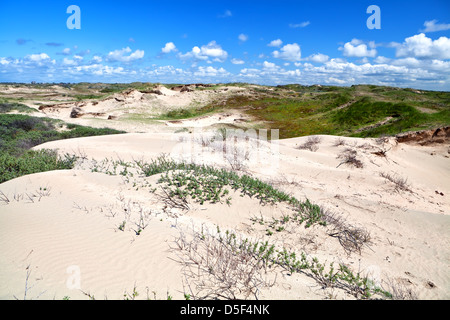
(75, 226)
(133, 110)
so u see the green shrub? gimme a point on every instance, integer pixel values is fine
(19, 133)
(6, 106)
(80, 131)
(205, 183)
(365, 112)
(32, 162)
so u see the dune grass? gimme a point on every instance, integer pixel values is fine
(183, 183)
(360, 111)
(32, 162)
(203, 183)
(19, 133)
(183, 113)
(191, 112)
(9, 106)
(401, 117)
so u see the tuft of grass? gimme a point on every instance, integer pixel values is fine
(6, 106)
(401, 184)
(189, 112)
(349, 157)
(361, 111)
(311, 144)
(339, 142)
(19, 133)
(225, 265)
(81, 97)
(32, 162)
(203, 183)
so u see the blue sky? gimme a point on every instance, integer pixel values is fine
(265, 42)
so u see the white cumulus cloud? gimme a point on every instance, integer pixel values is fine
(237, 61)
(318, 57)
(120, 55)
(69, 62)
(381, 59)
(422, 47)
(170, 46)
(211, 50)
(356, 48)
(269, 65)
(97, 59)
(38, 57)
(275, 43)
(4, 61)
(210, 71)
(290, 52)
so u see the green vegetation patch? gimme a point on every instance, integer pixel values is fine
(19, 133)
(366, 118)
(362, 111)
(189, 112)
(32, 162)
(7, 106)
(204, 183)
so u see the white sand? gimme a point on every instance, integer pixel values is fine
(133, 111)
(72, 229)
(61, 228)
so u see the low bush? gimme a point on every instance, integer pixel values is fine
(204, 183)
(6, 106)
(311, 144)
(19, 133)
(32, 162)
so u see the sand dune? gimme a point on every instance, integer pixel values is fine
(64, 226)
(133, 110)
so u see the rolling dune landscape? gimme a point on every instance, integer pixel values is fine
(118, 221)
(246, 153)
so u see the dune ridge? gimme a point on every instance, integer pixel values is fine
(74, 224)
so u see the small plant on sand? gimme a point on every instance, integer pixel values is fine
(142, 222)
(32, 162)
(181, 182)
(216, 268)
(400, 184)
(339, 142)
(131, 296)
(237, 158)
(351, 238)
(19, 133)
(201, 183)
(349, 157)
(311, 144)
(38, 194)
(225, 265)
(4, 198)
(121, 227)
(399, 291)
(28, 287)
